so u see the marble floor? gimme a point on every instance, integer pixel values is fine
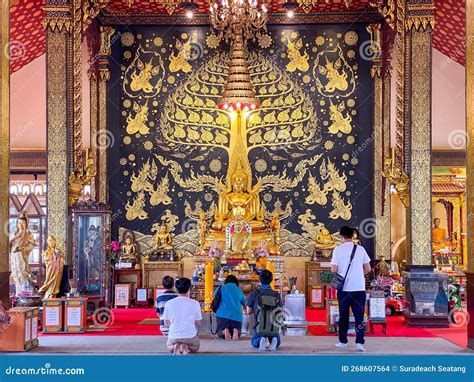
(306, 345)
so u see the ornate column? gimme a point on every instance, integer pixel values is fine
(375, 31)
(4, 149)
(470, 166)
(419, 23)
(103, 137)
(57, 24)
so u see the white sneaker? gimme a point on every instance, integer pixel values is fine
(273, 344)
(361, 348)
(263, 344)
(340, 345)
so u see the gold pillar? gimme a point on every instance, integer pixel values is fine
(375, 31)
(470, 165)
(418, 72)
(4, 149)
(58, 26)
(103, 137)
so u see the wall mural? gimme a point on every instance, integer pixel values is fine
(309, 145)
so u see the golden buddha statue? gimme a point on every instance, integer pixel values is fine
(273, 245)
(128, 249)
(440, 238)
(239, 201)
(163, 239)
(54, 261)
(240, 243)
(324, 240)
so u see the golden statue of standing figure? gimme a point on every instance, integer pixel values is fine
(54, 261)
(202, 229)
(22, 243)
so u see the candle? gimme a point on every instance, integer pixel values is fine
(271, 267)
(208, 284)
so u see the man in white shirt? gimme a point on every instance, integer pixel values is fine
(183, 317)
(352, 295)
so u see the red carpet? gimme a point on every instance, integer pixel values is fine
(125, 322)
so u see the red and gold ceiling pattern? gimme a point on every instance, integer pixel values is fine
(28, 37)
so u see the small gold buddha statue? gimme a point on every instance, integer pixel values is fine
(54, 261)
(325, 241)
(128, 249)
(240, 244)
(163, 239)
(273, 245)
(238, 200)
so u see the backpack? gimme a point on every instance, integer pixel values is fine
(269, 318)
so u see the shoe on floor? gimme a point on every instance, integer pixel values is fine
(273, 344)
(340, 345)
(361, 348)
(263, 344)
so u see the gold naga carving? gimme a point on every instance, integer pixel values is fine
(80, 177)
(386, 9)
(397, 178)
(90, 10)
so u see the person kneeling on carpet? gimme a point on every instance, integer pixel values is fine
(183, 317)
(229, 313)
(265, 304)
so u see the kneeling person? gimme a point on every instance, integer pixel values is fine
(264, 302)
(183, 316)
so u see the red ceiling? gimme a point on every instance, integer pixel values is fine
(28, 38)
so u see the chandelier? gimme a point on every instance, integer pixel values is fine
(251, 16)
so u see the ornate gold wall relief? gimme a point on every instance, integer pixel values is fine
(470, 134)
(4, 132)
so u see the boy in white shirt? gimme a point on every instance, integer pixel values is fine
(352, 296)
(183, 316)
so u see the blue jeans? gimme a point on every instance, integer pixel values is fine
(255, 341)
(354, 301)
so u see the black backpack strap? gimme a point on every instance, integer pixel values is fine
(350, 261)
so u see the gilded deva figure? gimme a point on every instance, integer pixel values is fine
(54, 261)
(22, 243)
(202, 229)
